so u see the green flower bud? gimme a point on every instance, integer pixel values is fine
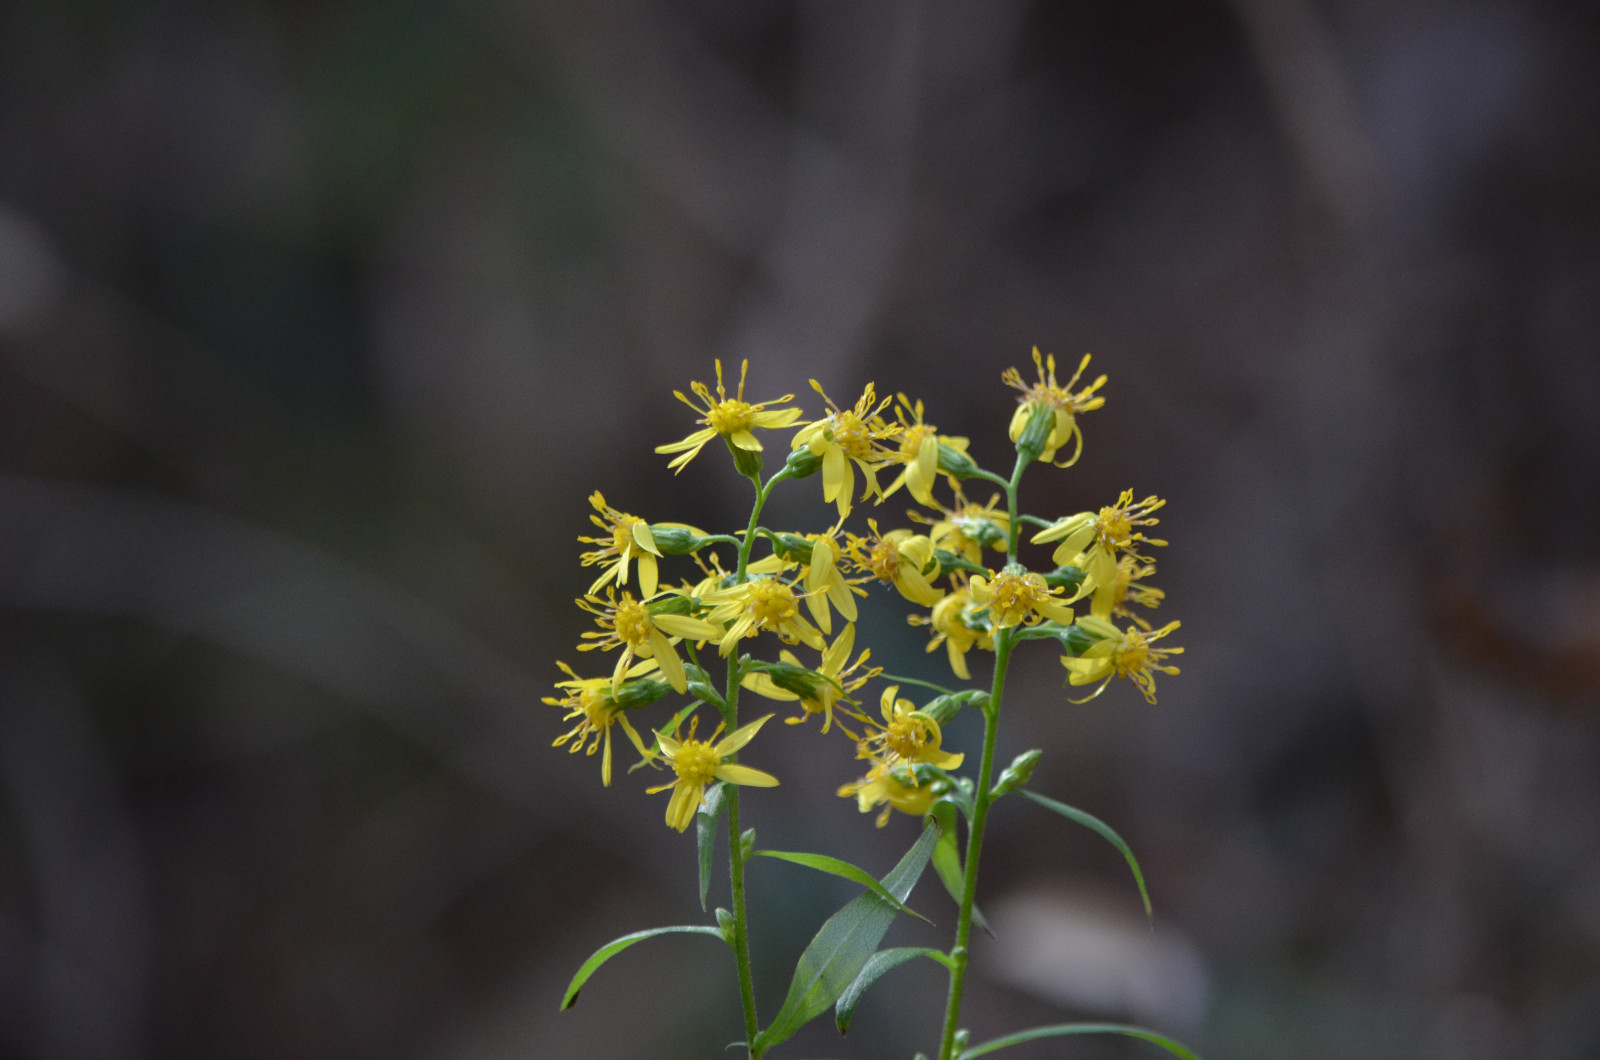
(1017, 773)
(641, 692)
(943, 708)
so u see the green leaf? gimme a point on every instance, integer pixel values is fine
(1062, 1029)
(836, 867)
(841, 948)
(876, 965)
(1090, 821)
(616, 946)
(947, 860)
(705, 830)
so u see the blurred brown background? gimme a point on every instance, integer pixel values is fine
(319, 321)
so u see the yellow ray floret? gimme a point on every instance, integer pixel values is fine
(762, 603)
(1093, 542)
(732, 418)
(821, 690)
(892, 784)
(919, 451)
(699, 762)
(907, 734)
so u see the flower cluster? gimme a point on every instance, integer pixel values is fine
(798, 588)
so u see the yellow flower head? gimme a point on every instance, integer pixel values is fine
(1128, 588)
(762, 603)
(699, 762)
(732, 418)
(630, 625)
(1015, 598)
(919, 451)
(1127, 653)
(960, 625)
(821, 690)
(907, 735)
(900, 558)
(892, 784)
(588, 702)
(967, 527)
(845, 435)
(624, 537)
(1048, 394)
(1093, 541)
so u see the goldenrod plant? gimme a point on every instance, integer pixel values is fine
(959, 566)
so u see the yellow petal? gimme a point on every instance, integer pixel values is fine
(667, 658)
(731, 743)
(737, 774)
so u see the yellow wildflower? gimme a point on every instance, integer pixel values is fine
(1014, 599)
(960, 625)
(732, 418)
(630, 625)
(762, 603)
(588, 700)
(844, 435)
(900, 558)
(1047, 394)
(1093, 542)
(624, 537)
(890, 782)
(919, 451)
(1127, 588)
(699, 762)
(967, 527)
(819, 690)
(1120, 653)
(907, 735)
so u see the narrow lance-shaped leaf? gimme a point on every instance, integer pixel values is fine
(1062, 1029)
(876, 965)
(1090, 821)
(705, 828)
(837, 867)
(841, 948)
(616, 946)
(947, 860)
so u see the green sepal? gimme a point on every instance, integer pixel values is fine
(1031, 442)
(705, 831)
(838, 952)
(1095, 824)
(953, 461)
(792, 547)
(676, 540)
(843, 869)
(747, 462)
(641, 692)
(1065, 578)
(955, 561)
(872, 971)
(700, 685)
(1061, 1029)
(616, 946)
(670, 604)
(802, 462)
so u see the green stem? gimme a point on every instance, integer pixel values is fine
(980, 816)
(1005, 640)
(730, 719)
